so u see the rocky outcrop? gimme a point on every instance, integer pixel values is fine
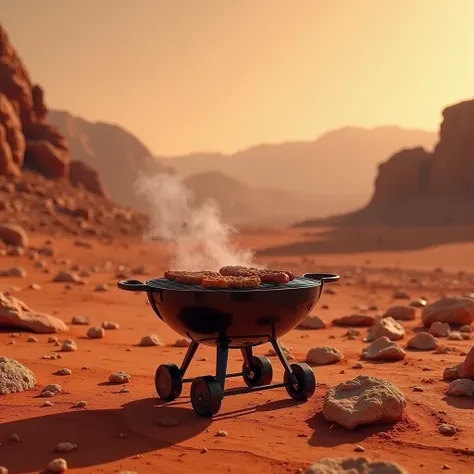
(83, 175)
(449, 170)
(25, 139)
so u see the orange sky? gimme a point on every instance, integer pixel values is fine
(221, 75)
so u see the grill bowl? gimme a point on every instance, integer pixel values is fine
(244, 317)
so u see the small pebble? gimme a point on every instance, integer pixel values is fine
(358, 366)
(447, 430)
(95, 333)
(52, 339)
(80, 404)
(167, 422)
(359, 449)
(119, 377)
(109, 325)
(418, 389)
(65, 447)
(15, 438)
(57, 465)
(69, 346)
(203, 450)
(47, 403)
(32, 339)
(63, 371)
(221, 434)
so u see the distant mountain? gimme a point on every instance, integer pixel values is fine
(114, 152)
(339, 167)
(246, 205)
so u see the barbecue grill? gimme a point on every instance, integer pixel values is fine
(237, 318)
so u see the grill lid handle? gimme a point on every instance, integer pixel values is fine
(324, 277)
(133, 285)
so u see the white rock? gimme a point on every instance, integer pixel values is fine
(423, 341)
(455, 336)
(363, 400)
(386, 327)
(354, 466)
(151, 340)
(69, 346)
(50, 390)
(14, 377)
(323, 355)
(57, 466)
(383, 349)
(120, 377)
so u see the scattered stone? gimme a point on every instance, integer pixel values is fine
(80, 404)
(465, 370)
(447, 430)
(354, 466)
(12, 234)
(386, 327)
(312, 322)
(63, 371)
(65, 447)
(47, 403)
(80, 320)
(401, 313)
(67, 276)
(124, 390)
(102, 288)
(352, 333)
(418, 389)
(383, 349)
(221, 433)
(286, 352)
(69, 346)
(355, 320)
(358, 366)
(455, 336)
(96, 333)
(34, 286)
(14, 377)
(57, 466)
(110, 325)
(120, 377)
(419, 303)
(439, 329)
(15, 313)
(363, 400)
(443, 350)
(466, 328)
(461, 388)
(151, 340)
(32, 339)
(323, 355)
(15, 438)
(422, 341)
(19, 272)
(401, 295)
(359, 449)
(454, 311)
(50, 390)
(182, 342)
(203, 451)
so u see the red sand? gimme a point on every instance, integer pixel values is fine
(268, 431)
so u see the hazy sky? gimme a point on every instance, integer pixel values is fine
(221, 75)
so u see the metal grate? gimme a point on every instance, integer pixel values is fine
(297, 283)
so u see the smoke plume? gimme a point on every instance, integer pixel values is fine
(202, 240)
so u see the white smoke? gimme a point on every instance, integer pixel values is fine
(202, 241)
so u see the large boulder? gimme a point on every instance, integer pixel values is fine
(12, 141)
(12, 234)
(15, 313)
(455, 311)
(14, 377)
(464, 370)
(363, 400)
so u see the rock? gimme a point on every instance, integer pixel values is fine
(110, 325)
(439, 329)
(465, 370)
(447, 430)
(15, 313)
(354, 466)
(355, 320)
(461, 388)
(69, 346)
(80, 320)
(466, 328)
(12, 234)
(323, 355)
(57, 466)
(80, 404)
(455, 336)
(50, 390)
(221, 433)
(65, 447)
(14, 377)
(383, 349)
(286, 352)
(67, 276)
(401, 295)
(96, 333)
(402, 313)
(3, 470)
(119, 378)
(386, 327)
(102, 288)
(419, 303)
(182, 342)
(50, 160)
(32, 339)
(363, 400)
(63, 371)
(312, 322)
(454, 311)
(151, 340)
(14, 272)
(81, 174)
(423, 341)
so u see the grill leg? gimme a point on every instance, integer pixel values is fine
(221, 363)
(188, 357)
(284, 362)
(247, 354)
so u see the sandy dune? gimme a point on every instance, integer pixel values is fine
(267, 431)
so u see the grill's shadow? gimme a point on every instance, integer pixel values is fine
(96, 433)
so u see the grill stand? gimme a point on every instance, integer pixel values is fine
(208, 392)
